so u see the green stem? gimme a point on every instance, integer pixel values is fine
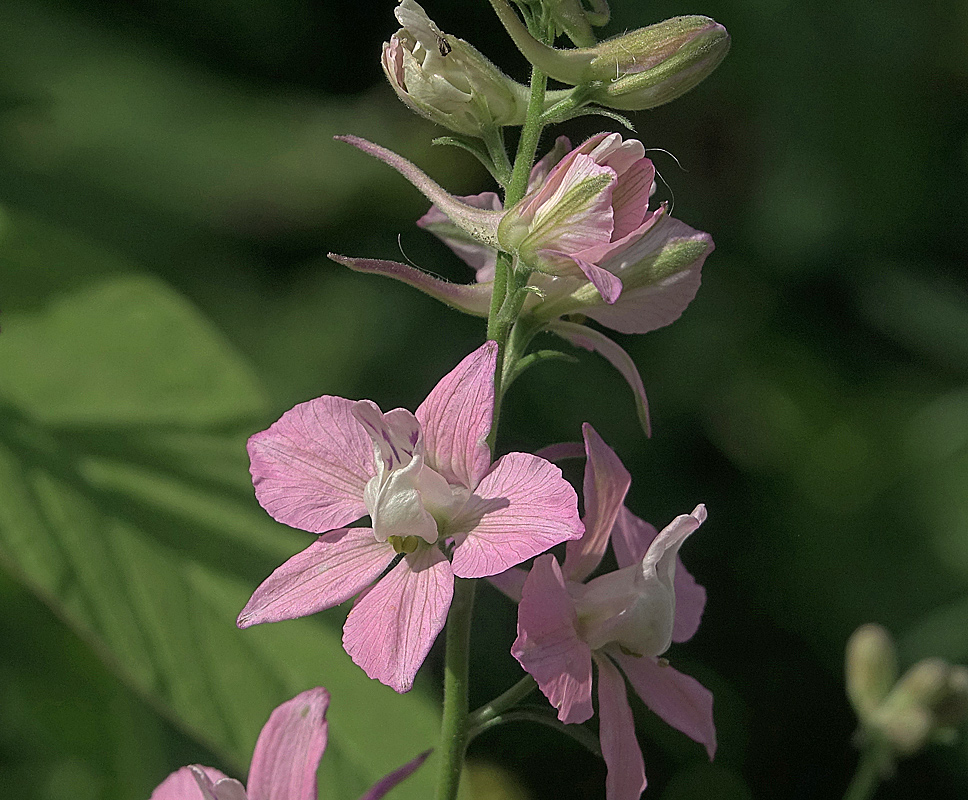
(579, 733)
(454, 728)
(528, 143)
(871, 769)
(503, 702)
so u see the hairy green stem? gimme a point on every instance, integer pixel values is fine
(454, 728)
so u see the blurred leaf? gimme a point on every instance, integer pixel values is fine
(126, 505)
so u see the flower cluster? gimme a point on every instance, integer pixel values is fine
(408, 507)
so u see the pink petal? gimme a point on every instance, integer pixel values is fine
(222, 789)
(562, 451)
(481, 223)
(630, 198)
(608, 285)
(570, 224)
(330, 571)
(680, 700)
(539, 172)
(623, 757)
(456, 418)
(182, 785)
(605, 486)
(395, 777)
(521, 508)
(289, 749)
(631, 538)
(472, 298)
(589, 339)
(510, 582)
(649, 300)
(548, 646)
(393, 626)
(310, 467)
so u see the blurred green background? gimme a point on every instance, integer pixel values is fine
(168, 190)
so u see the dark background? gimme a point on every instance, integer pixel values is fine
(813, 395)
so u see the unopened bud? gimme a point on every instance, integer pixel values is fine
(446, 80)
(638, 70)
(871, 668)
(693, 53)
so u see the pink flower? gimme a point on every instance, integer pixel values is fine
(585, 226)
(284, 763)
(438, 508)
(624, 619)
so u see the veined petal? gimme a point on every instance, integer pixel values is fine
(623, 757)
(630, 198)
(605, 486)
(589, 339)
(609, 286)
(182, 784)
(311, 466)
(331, 570)
(473, 298)
(289, 749)
(548, 646)
(631, 538)
(678, 699)
(479, 223)
(521, 508)
(393, 626)
(544, 165)
(456, 419)
(384, 785)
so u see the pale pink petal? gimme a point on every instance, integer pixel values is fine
(473, 298)
(182, 784)
(690, 604)
(663, 551)
(562, 451)
(510, 582)
(659, 283)
(456, 418)
(481, 223)
(608, 253)
(395, 435)
(331, 570)
(289, 748)
(680, 700)
(548, 646)
(605, 486)
(311, 466)
(609, 286)
(630, 198)
(625, 779)
(631, 538)
(570, 224)
(589, 339)
(402, 773)
(477, 256)
(521, 508)
(392, 627)
(222, 789)
(539, 172)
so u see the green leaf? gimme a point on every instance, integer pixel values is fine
(126, 505)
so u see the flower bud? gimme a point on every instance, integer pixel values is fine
(446, 80)
(693, 54)
(638, 70)
(871, 668)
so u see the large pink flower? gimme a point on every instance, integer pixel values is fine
(284, 763)
(438, 508)
(625, 619)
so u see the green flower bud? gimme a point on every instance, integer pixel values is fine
(638, 70)
(446, 80)
(871, 668)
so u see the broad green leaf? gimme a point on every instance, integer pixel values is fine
(125, 504)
